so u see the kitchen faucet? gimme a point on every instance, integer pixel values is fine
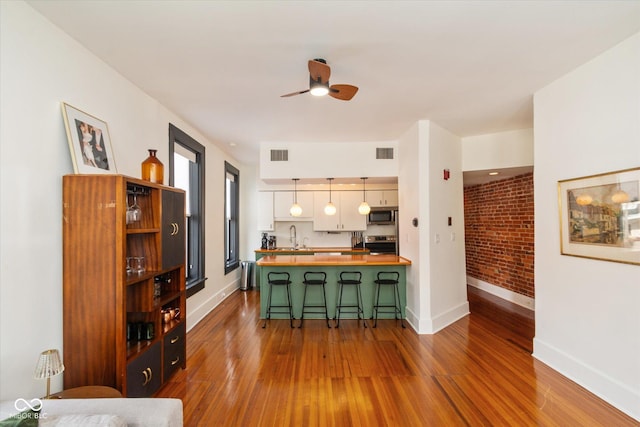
(293, 236)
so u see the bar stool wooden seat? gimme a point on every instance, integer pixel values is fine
(315, 280)
(350, 279)
(278, 279)
(388, 279)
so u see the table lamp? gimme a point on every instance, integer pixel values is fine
(49, 364)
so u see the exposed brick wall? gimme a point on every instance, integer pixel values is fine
(499, 240)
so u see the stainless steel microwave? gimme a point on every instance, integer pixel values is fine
(382, 216)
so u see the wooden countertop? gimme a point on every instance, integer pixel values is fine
(330, 260)
(314, 250)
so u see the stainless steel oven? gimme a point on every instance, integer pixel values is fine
(381, 244)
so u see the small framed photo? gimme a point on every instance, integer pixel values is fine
(600, 216)
(89, 142)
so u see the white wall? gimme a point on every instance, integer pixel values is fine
(498, 150)
(312, 160)
(447, 265)
(436, 283)
(587, 316)
(40, 66)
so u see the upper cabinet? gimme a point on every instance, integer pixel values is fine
(173, 228)
(283, 201)
(382, 198)
(265, 211)
(346, 218)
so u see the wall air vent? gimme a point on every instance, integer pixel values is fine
(279, 155)
(384, 153)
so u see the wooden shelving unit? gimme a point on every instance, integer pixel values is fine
(104, 304)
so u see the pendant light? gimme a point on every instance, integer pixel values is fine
(296, 209)
(330, 209)
(364, 207)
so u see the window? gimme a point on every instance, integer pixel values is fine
(186, 171)
(231, 209)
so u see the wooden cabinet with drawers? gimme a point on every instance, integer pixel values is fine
(123, 278)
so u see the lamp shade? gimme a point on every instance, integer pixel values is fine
(330, 209)
(49, 364)
(620, 197)
(364, 208)
(296, 210)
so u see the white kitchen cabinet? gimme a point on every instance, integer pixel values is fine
(265, 211)
(282, 205)
(347, 217)
(382, 198)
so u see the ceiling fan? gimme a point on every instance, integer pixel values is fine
(319, 73)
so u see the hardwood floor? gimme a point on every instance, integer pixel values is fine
(477, 372)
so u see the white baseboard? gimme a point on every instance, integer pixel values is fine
(453, 315)
(431, 326)
(619, 395)
(195, 315)
(505, 294)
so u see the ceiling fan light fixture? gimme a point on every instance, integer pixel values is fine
(319, 89)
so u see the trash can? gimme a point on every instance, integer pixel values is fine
(246, 276)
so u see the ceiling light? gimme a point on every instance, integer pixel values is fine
(296, 209)
(330, 208)
(493, 173)
(364, 207)
(318, 88)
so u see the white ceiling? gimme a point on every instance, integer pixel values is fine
(470, 66)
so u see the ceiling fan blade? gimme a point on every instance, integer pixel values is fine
(342, 92)
(319, 70)
(300, 92)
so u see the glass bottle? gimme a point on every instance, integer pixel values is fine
(152, 168)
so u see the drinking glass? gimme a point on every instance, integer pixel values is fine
(139, 266)
(134, 213)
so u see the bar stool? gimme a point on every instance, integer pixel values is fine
(388, 278)
(350, 279)
(315, 279)
(278, 279)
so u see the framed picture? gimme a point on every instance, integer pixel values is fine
(600, 216)
(89, 142)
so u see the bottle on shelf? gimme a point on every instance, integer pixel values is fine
(152, 168)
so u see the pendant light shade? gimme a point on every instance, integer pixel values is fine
(620, 197)
(364, 207)
(296, 209)
(330, 208)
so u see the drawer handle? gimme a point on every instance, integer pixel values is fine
(148, 375)
(173, 362)
(175, 228)
(146, 378)
(175, 339)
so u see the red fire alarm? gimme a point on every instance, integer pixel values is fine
(446, 174)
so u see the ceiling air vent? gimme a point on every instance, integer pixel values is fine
(279, 155)
(384, 153)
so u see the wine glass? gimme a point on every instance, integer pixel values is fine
(134, 213)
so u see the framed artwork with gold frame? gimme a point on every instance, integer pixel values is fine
(89, 142)
(600, 216)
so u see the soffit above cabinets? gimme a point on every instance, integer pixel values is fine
(346, 162)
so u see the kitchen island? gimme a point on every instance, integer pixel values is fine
(332, 265)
